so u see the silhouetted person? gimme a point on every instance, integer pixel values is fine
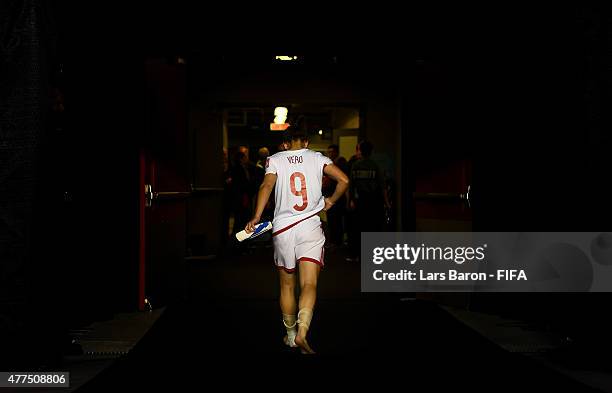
(367, 196)
(350, 217)
(241, 190)
(263, 154)
(227, 193)
(245, 150)
(254, 175)
(259, 169)
(335, 217)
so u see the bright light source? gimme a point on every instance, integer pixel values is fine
(320, 132)
(278, 127)
(280, 115)
(286, 58)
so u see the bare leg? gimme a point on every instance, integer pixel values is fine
(309, 273)
(287, 300)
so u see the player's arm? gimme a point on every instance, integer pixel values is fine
(262, 200)
(342, 183)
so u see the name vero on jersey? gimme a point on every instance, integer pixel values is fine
(295, 159)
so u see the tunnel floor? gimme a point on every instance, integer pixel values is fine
(227, 334)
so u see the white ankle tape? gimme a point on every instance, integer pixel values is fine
(289, 321)
(304, 317)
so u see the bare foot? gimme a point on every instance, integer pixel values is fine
(301, 342)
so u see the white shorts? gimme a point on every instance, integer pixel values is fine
(302, 242)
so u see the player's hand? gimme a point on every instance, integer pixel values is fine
(250, 226)
(328, 204)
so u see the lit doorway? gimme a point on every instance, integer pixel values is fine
(247, 130)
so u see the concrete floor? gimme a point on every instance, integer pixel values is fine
(102, 343)
(549, 348)
(228, 334)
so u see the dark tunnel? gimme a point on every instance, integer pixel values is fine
(134, 146)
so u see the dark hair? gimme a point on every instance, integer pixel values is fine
(237, 157)
(297, 135)
(296, 131)
(334, 147)
(366, 148)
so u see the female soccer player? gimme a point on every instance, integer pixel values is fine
(296, 176)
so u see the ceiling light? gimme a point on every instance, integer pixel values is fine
(280, 119)
(280, 114)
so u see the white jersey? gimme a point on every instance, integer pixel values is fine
(298, 185)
